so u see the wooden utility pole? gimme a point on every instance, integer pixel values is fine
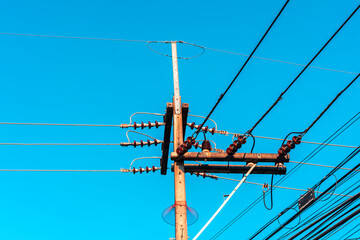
(179, 173)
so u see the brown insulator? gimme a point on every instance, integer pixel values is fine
(180, 150)
(149, 125)
(147, 169)
(296, 139)
(134, 170)
(153, 168)
(190, 140)
(187, 145)
(196, 145)
(134, 144)
(156, 124)
(192, 125)
(281, 152)
(142, 125)
(285, 148)
(237, 144)
(212, 131)
(290, 144)
(141, 143)
(206, 129)
(148, 142)
(206, 145)
(134, 125)
(241, 139)
(231, 150)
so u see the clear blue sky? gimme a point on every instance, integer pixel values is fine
(54, 80)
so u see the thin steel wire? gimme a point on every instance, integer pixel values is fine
(54, 170)
(69, 37)
(317, 143)
(207, 48)
(320, 165)
(64, 144)
(142, 158)
(288, 188)
(279, 61)
(127, 136)
(60, 124)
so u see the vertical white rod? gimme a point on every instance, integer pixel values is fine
(224, 203)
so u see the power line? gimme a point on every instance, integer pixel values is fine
(330, 104)
(320, 165)
(113, 125)
(340, 206)
(302, 71)
(54, 170)
(348, 158)
(288, 188)
(279, 61)
(333, 136)
(207, 48)
(69, 37)
(343, 221)
(243, 66)
(317, 143)
(63, 144)
(60, 124)
(326, 208)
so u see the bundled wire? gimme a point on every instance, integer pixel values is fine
(347, 159)
(326, 208)
(332, 137)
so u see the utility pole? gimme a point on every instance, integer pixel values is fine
(179, 173)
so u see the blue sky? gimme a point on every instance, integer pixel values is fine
(55, 80)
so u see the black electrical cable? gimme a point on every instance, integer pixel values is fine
(302, 71)
(332, 137)
(196, 133)
(308, 157)
(340, 206)
(338, 224)
(331, 103)
(350, 156)
(329, 206)
(351, 234)
(312, 234)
